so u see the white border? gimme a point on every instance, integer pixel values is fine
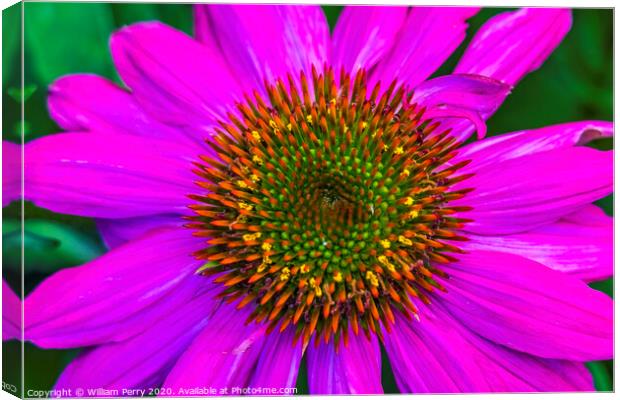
(488, 3)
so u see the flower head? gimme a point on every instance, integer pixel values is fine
(271, 191)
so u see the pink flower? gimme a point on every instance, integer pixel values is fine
(338, 218)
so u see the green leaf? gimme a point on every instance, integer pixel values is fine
(126, 14)
(602, 375)
(11, 37)
(65, 38)
(22, 95)
(48, 245)
(332, 13)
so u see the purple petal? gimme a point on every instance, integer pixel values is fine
(92, 103)
(11, 172)
(279, 364)
(112, 176)
(115, 232)
(265, 41)
(143, 361)
(222, 356)
(430, 356)
(572, 246)
(117, 295)
(528, 307)
(461, 102)
(11, 313)
(527, 192)
(489, 366)
(488, 152)
(427, 38)
(352, 369)
(512, 44)
(512, 371)
(173, 77)
(365, 34)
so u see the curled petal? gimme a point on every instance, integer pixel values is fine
(463, 99)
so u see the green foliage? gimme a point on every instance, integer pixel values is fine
(67, 38)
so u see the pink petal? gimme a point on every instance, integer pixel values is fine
(278, 366)
(11, 172)
(527, 192)
(489, 366)
(117, 295)
(222, 356)
(173, 77)
(512, 371)
(92, 103)
(512, 44)
(461, 102)
(143, 361)
(488, 152)
(364, 35)
(572, 246)
(112, 176)
(352, 369)
(115, 232)
(265, 41)
(11, 313)
(427, 38)
(528, 307)
(431, 357)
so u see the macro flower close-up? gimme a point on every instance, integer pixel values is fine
(276, 196)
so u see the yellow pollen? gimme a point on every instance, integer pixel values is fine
(245, 206)
(266, 246)
(413, 214)
(286, 273)
(256, 135)
(408, 201)
(338, 276)
(289, 127)
(385, 147)
(404, 240)
(405, 172)
(384, 260)
(248, 237)
(257, 160)
(317, 290)
(254, 178)
(273, 124)
(365, 125)
(372, 278)
(242, 184)
(386, 243)
(304, 269)
(309, 119)
(333, 101)
(399, 150)
(261, 267)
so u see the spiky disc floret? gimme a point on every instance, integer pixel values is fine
(327, 208)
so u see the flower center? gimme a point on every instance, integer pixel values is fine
(327, 208)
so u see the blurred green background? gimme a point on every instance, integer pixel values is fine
(62, 38)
